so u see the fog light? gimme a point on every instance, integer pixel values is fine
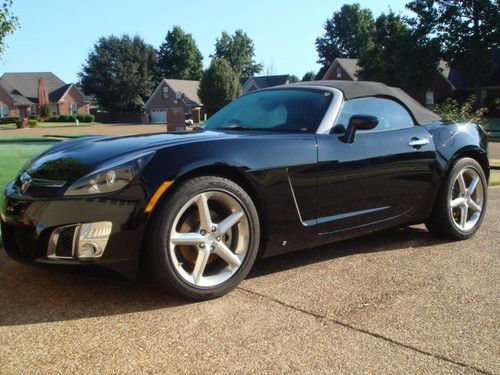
(89, 250)
(92, 239)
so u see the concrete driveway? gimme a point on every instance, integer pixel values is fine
(397, 302)
(494, 150)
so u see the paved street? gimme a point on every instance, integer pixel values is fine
(397, 302)
(100, 129)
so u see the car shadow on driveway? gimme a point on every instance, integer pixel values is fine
(37, 294)
(387, 240)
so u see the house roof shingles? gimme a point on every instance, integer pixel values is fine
(350, 66)
(187, 87)
(263, 82)
(23, 87)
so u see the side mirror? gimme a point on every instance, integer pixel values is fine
(358, 122)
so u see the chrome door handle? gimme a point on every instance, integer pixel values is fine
(418, 142)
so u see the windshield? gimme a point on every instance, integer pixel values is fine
(298, 110)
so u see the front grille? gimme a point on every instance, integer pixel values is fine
(35, 187)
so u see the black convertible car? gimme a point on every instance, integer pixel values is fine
(274, 171)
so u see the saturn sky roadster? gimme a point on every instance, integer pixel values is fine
(276, 170)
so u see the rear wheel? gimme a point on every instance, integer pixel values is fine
(204, 239)
(461, 203)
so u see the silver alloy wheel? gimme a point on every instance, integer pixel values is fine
(214, 227)
(467, 198)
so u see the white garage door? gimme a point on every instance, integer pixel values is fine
(158, 116)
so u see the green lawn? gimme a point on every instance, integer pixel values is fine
(495, 178)
(12, 158)
(51, 125)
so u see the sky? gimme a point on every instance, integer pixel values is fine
(57, 35)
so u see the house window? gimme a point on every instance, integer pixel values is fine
(339, 72)
(53, 108)
(429, 98)
(165, 92)
(4, 111)
(73, 108)
(33, 109)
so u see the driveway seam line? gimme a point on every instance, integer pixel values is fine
(362, 330)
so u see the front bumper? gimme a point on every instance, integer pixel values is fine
(29, 225)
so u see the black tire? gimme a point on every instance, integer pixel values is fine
(159, 259)
(441, 222)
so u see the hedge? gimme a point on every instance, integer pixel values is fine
(82, 117)
(9, 120)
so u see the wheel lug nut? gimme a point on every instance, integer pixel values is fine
(203, 232)
(218, 238)
(202, 245)
(214, 228)
(212, 248)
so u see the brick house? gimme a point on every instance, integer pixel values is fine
(174, 95)
(23, 94)
(249, 84)
(446, 82)
(342, 69)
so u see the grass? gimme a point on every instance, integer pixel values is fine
(22, 139)
(495, 172)
(52, 125)
(494, 178)
(68, 135)
(12, 158)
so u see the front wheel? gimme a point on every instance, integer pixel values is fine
(461, 203)
(204, 239)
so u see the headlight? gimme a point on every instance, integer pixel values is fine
(112, 176)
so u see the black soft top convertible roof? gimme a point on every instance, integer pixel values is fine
(359, 89)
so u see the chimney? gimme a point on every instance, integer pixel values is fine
(43, 95)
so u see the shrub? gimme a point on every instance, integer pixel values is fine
(67, 118)
(452, 110)
(19, 123)
(85, 117)
(32, 123)
(34, 117)
(45, 111)
(9, 120)
(82, 117)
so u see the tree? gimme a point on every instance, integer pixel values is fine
(238, 50)
(309, 76)
(467, 30)
(179, 57)
(398, 56)
(346, 34)
(8, 23)
(293, 79)
(219, 85)
(120, 72)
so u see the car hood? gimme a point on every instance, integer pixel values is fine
(70, 160)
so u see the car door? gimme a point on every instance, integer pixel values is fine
(383, 176)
